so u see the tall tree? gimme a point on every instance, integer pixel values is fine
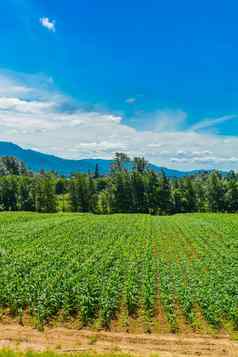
(215, 192)
(9, 193)
(122, 192)
(190, 198)
(26, 202)
(164, 195)
(140, 164)
(119, 162)
(44, 193)
(231, 195)
(97, 172)
(153, 192)
(139, 186)
(14, 166)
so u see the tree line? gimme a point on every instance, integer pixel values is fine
(131, 187)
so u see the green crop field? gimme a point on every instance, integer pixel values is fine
(174, 271)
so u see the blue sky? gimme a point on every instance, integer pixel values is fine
(86, 79)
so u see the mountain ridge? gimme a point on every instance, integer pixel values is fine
(37, 161)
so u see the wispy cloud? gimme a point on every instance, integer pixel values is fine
(33, 114)
(212, 122)
(47, 23)
(131, 100)
(166, 120)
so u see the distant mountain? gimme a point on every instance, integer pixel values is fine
(37, 161)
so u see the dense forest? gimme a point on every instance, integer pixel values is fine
(131, 187)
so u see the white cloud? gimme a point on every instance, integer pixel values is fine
(47, 23)
(23, 106)
(34, 115)
(167, 120)
(208, 123)
(131, 100)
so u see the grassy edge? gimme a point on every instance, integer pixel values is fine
(11, 353)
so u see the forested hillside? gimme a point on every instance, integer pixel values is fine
(138, 190)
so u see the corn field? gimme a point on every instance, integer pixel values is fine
(95, 268)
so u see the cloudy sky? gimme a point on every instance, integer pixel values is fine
(151, 78)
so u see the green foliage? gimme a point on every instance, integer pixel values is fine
(215, 193)
(82, 190)
(11, 166)
(130, 188)
(89, 266)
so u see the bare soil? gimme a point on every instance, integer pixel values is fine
(60, 339)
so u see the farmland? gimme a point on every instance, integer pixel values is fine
(124, 272)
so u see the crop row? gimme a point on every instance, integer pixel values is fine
(94, 267)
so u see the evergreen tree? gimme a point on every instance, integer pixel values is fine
(139, 185)
(49, 194)
(13, 166)
(96, 173)
(119, 162)
(215, 193)
(74, 195)
(153, 192)
(26, 202)
(44, 194)
(140, 164)
(129, 188)
(164, 195)
(9, 193)
(200, 191)
(190, 198)
(178, 199)
(122, 192)
(231, 195)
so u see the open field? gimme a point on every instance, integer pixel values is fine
(129, 273)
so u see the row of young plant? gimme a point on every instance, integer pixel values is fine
(81, 265)
(93, 267)
(199, 270)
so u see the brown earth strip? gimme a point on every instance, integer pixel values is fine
(24, 338)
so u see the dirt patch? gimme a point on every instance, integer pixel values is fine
(24, 338)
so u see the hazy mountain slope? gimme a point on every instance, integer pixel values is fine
(37, 161)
